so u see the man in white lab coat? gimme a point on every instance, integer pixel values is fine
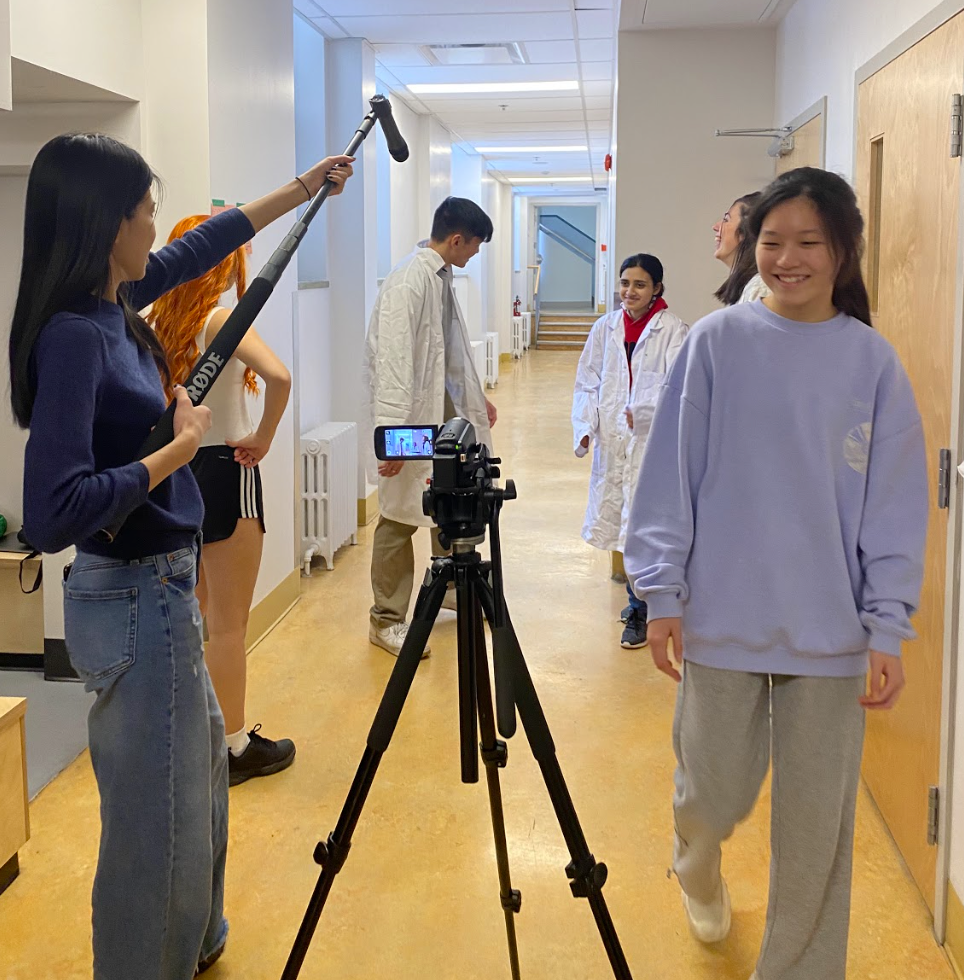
(420, 371)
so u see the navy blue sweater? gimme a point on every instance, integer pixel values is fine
(98, 397)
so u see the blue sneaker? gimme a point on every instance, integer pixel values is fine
(634, 635)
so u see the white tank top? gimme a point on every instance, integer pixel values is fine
(227, 400)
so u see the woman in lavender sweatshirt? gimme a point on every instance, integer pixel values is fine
(779, 545)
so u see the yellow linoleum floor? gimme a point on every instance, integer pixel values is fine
(418, 896)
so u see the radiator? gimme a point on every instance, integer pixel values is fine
(518, 336)
(329, 491)
(491, 359)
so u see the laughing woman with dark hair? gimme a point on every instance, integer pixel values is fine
(736, 248)
(86, 378)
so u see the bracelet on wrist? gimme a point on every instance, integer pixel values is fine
(305, 186)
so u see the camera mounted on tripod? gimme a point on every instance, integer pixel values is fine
(461, 496)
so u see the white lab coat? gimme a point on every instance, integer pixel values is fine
(602, 395)
(411, 360)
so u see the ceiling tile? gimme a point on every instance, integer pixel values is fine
(308, 7)
(489, 103)
(401, 56)
(701, 13)
(550, 52)
(460, 28)
(595, 88)
(434, 8)
(598, 49)
(594, 23)
(595, 70)
(440, 74)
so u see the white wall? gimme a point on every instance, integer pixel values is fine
(12, 439)
(353, 252)
(6, 82)
(25, 130)
(252, 116)
(467, 182)
(435, 170)
(312, 358)
(174, 114)
(820, 45)
(676, 178)
(97, 41)
(311, 140)
(407, 227)
(566, 278)
(497, 261)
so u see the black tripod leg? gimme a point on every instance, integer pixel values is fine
(331, 855)
(586, 876)
(494, 755)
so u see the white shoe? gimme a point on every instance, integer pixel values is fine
(391, 638)
(709, 923)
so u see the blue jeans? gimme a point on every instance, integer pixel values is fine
(637, 604)
(133, 632)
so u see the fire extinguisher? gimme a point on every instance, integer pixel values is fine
(517, 307)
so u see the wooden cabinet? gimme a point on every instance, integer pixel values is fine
(21, 616)
(14, 813)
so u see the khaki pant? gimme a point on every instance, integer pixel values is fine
(393, 570)
(729, 725)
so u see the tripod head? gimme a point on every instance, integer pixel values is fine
(461, 497)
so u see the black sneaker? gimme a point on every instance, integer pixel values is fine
(625, 614)
(634, 636)
(262, 757)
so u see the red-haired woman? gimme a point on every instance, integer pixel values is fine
(186, 320)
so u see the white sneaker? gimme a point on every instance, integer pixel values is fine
(709, 923)
(391, 638)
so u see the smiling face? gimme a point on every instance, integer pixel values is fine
(636, 290)
(795, 259)
(727, 234)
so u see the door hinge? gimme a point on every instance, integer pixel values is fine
(957, 124)
(933, 810)
(944, 481)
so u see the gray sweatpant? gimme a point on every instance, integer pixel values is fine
(727, 726)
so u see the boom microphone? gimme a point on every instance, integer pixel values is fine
(211, 363)
(396, 143)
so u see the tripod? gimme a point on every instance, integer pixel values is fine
(478, 586)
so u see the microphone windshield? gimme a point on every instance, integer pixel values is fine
(397, 146)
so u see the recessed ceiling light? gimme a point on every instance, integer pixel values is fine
(531, 149)
(463, 88)
(549, 180)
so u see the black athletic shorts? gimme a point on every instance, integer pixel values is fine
(230, 491)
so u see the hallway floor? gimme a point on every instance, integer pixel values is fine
(418, 896)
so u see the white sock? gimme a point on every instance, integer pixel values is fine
(237, 742)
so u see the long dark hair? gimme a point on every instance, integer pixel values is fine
(836, 204)
(81, 187)
(744, 262)
(650, 264)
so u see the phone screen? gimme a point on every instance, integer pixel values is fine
(404, 442)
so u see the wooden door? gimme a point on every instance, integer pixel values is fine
(908, 186)
(807, 147)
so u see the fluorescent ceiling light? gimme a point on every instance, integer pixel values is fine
(531, 149)
(468, 88)
(550, 180)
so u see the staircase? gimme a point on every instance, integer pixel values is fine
(564, 331)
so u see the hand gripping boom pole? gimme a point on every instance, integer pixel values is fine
(211, 363)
